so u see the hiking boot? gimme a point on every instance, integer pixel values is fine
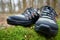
(46, 24)
(30, 16)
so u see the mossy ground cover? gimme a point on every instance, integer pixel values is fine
(23, 33)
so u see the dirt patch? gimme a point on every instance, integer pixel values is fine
(3, 19)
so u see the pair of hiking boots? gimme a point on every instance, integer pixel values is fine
(44, 20)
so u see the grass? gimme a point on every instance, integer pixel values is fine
(19, 33)
(58, 35)
(22, 33)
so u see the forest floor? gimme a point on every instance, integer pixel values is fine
(23, 33)
(20, 32)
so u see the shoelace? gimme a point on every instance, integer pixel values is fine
(47, 11)
(30, 13)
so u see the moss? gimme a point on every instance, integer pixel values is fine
(22, 33)
(19, 33)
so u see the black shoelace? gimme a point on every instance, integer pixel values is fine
(48, 13)
(30, 13)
